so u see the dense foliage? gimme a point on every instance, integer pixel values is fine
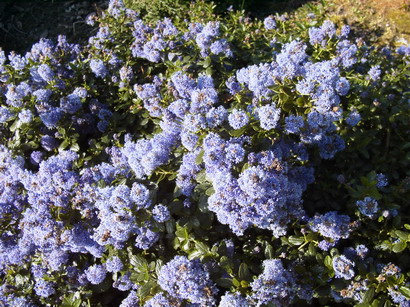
(216, 161)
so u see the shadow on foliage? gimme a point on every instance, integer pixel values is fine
(23, 23)
(260, 8)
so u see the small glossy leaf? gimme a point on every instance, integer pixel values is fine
(368, 296)
(405, 291)
(243, 271)
(294, 240)
(399, 246)
(199, 157)
(328, 262)
(224, 282)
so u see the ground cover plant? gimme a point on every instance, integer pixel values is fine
(209, 161)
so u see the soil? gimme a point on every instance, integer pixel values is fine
(382, 21)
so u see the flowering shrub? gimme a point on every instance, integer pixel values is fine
(206, 162)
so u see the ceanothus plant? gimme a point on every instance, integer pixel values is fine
(212, 161)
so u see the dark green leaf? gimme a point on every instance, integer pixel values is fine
(224, 282)
(387, 303)
(368, 296)
(243, 271)
(170, 226)
(311, 249)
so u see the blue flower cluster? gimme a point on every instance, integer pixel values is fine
(185, 279)
(276, 285)
(267, 194)
(332, 225)
(343, 267)
(368, 207)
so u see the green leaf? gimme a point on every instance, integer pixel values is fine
(207, 62)
(374, 193)
(15, 125)
(176, 243)
(328, 262)
(334, 252)
(64, 144)
(368, 296)
(269, 253)
(404, 236)
(405, 291)
(226, 264)
(195, 254)
(158, 266)
(146, 289)
(170, 226)
(245, 166)
(199, 157)
(387, 303)
(186, 246)
(243, 271)
(300, 101)
(224, 282)
(182, 232)
(203, 203)
(385, 245)
(72, 300)
(399, 246)
(311, 249)
(75, 147)
(236, 282)
(138, 262)
(187, 59)
(20, 280)
(210, 191)
(323, 291)
(237, 133)
(294, 240)
(311, 236)
(375, 303)
(202, 247)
